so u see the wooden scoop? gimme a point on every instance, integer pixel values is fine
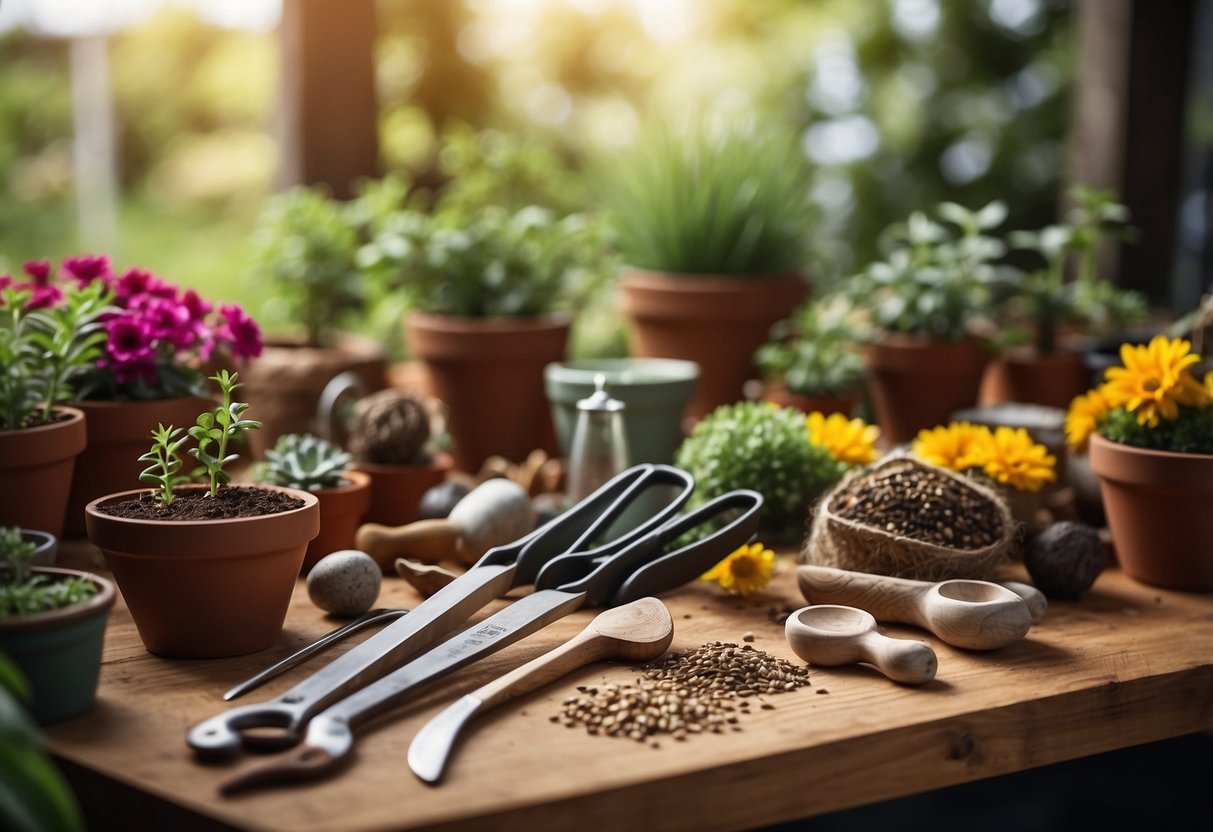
(493, 513)
(977, 615)
(830, 635)
(639, 631)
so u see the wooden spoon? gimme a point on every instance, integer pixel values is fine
(830, 635)
(639, 631)
(977, 615)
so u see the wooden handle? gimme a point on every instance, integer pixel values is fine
(428, 541)
(1037, 603)
(886, 598)
(902, 660)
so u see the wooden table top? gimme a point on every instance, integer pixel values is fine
(1128, 664)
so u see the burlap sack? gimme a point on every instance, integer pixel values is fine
(848, 544)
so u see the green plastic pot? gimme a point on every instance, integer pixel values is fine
(656, 392)
(59, 652)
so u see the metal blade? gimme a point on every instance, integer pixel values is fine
(432, 746)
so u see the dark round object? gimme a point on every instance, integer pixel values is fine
(1065, 559)
(437, 501)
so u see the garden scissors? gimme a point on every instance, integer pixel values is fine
(610, 575)
(588, 523)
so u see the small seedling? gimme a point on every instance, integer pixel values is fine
(24, 593)
(215, 428)
(166, 461)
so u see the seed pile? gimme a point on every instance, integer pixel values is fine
(705, 689)
(921, 504)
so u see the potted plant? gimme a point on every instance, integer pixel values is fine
(46, 347)
(789, 458)
(491, 293)
(1148, 431)
(811, 361)
(928, 301)
(52, 624)
(312, 464)
(712, 229)
(206, 570)
(155, 339)
(393, 439)
(305, 243)
(1049, 318)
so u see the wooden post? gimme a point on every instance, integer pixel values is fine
(329, 113)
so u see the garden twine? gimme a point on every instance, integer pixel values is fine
(848, 544)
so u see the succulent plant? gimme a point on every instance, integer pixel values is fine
(305, 461)
(390, 428)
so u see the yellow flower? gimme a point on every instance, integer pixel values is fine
(744, 572)
(1018, 461)
(957, 446)
(1155, 380)
(848, 440)
(1084, 416)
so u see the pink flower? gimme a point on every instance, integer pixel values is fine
(130, 340)
(198, 308)
(39, 271)
(135, 284)
(6, 280)
(167, 320)
(87, 268)
(242, 331)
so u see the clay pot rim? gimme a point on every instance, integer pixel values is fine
(442, 461)
(308, 497)
(441, 322)
(52, 619)
(1185, 472)
(656, 279)
(57, 435)
(353, 480)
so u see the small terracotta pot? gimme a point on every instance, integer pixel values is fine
(59, 652)
(1160, 513)
(36, 472)
(283, 384)
(1027, 377)
(825, 404)
(918, 383)
(118, 433)
(717, 321)
(342, 509)
(206, 588)
(489, 373)
(396, 490)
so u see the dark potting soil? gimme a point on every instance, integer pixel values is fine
(228, 502)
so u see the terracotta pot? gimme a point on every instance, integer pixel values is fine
(918, 383)
(396, 490)
(206, 588)
(489, 373)
(1027, 377)
(118, 433)
(1160, 513)
(826, 404)
(342, 509)
(284, 383)
(59, 652)
(717, 321)
(36, 472)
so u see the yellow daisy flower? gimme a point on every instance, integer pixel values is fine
(848, 440)
(957, 446)
(1018, 461)
(1155, 380)
(744, 572)
(1084, 416)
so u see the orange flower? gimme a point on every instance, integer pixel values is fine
(848, 440)
(1015, 459)
(1084, 416)
(958, 446)
(1155, 380)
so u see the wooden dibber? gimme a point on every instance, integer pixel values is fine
(830, 635)
(495, 512)
(976, 615)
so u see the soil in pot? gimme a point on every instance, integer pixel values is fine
(229, 502)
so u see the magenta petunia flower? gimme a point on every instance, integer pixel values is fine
(194, 304)
(43, 297)
(130, 340)
(133, 285)
(242, 331)
(6, 280)
(39, 271)
(88, 267)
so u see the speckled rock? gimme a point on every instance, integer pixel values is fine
(344, 583)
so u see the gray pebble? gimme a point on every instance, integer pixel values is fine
(345, 583)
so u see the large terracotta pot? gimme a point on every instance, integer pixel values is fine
(118, 433)
(1028, 377)
(59, 651)
(1160, 513)
(284, 383)
(396, 490)
(206, 588)
(342, 509)
(36, 471)
(918, 383)
(489, 374)
(717, 321)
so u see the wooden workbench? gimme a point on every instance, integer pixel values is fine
(1127, 665)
